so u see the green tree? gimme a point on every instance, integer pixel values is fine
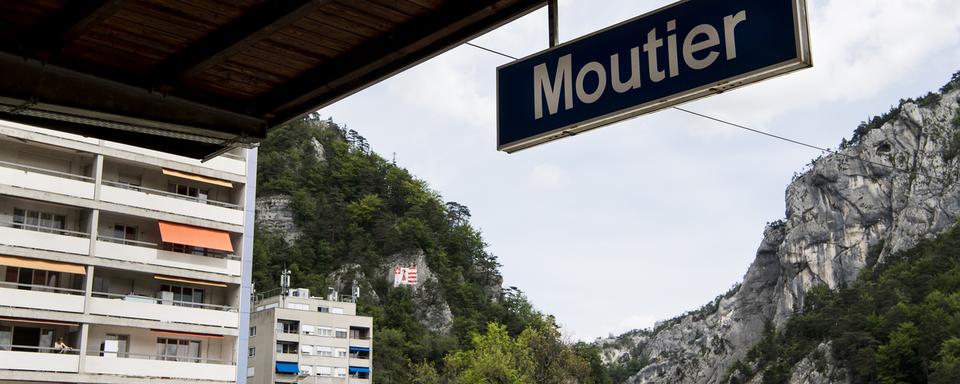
(494, 359)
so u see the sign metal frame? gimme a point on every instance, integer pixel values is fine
(803, 60)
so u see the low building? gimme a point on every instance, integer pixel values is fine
(295, 338)
(130, 256)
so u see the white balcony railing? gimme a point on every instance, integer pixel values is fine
(169, 311)
(41, 297)
(148, 253)
(37, 359)
(137, 365)
(169, 202)
(40, 179)
(35, 237)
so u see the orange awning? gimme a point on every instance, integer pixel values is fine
(202, 179)
(45, 265)
(190, 281)
(195, 236)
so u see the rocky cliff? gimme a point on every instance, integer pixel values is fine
(892, 185)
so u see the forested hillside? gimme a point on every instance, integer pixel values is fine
(353, 216)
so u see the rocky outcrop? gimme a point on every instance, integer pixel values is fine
(275, 216)
(897, 185)
(432, 309)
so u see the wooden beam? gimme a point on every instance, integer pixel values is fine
(253, 26)
(416, 42)
(58, 31)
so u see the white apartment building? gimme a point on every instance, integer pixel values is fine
(301, 339)
(131, 256)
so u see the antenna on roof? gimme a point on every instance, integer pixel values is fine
(284, 281)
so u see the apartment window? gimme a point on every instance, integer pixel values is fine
(27, 277)
(286, 347)
(6, 337)
(251, 352)
(298, 306)
(324, 351)
(340, 372)
(359, 333)
(253, 331)
(115, 345)
(324, 331)
(336, 310)
(324, 371)
(38, 221)
(323, 309)
(178, 350)
(288, 326)
(340, 352)
(125, 232)
(306, 370)
(184, 295)
(341, 333)
(185, 190)
(308, 329)
(306, 350)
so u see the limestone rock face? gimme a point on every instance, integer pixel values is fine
(880, 196)
(275, 215)
(432, 309)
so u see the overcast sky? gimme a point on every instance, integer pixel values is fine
(642, 220)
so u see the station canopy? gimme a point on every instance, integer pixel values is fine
(198, 77)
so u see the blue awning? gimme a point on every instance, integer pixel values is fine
(359, 370)
(290, 368)
(359, 349)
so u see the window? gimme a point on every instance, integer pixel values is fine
(361, 333)
(286, 347)
(288, 326)
(324, 331)
(324, 351)
(185, 190)
(178, 350)
(306, 370)
(341, 333)
(34, 277)
(340, 352)
(340, 372)
(308, 330)
(251, 352)
(253, 331)
(38, 221)
(183, 296)
(298, 306)
(6, 337)
(306, 350)
(336, 310)
(121, 233)
(324, 371)
(323, 309)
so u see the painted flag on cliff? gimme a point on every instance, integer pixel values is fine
(405, 275)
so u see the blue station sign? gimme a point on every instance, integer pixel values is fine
(678, 53)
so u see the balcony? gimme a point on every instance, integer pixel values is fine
(41, 297)
(163, 310)
(26, 358)
(150, 253)
(155, 199)
(44, 238)
(145, 365)
(233, 161)
(40, 179)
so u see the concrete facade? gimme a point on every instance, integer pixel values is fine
(82, 258)
(325, 339)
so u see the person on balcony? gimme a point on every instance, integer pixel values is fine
(60, 346)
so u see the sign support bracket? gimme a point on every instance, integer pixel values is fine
(552, 23)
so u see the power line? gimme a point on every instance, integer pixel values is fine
(757, 131)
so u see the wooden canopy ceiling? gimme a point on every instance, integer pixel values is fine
(193, 77)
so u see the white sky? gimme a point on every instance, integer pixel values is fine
(642, 220)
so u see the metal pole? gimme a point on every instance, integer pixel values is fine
(552, 22)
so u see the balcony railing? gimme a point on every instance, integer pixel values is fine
(151, 191)
(45, 171)
(36, 349)
(41, 288)
(162, 357)
(37, 228)
(154, 300)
